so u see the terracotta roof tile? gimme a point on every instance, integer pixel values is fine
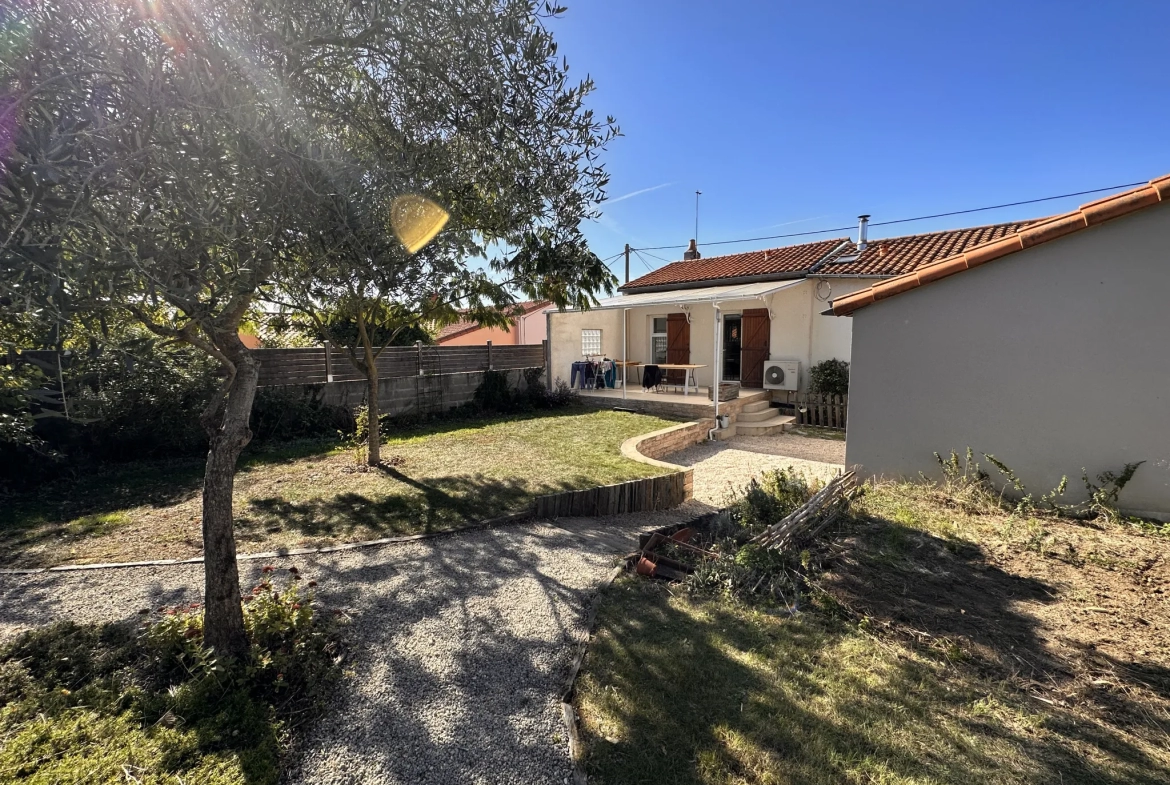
(1027, 236)
(773, 261)
(897, 255)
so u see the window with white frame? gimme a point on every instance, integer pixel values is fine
(590, 342)
(658, 340)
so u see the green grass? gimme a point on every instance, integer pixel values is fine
(683, 689)
(436, 477)
(107, 703)
(941, 644)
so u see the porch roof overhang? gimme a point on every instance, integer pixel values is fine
(709, 294)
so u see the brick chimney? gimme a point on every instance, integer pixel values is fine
(692, 252)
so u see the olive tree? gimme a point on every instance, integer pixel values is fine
(177, 160)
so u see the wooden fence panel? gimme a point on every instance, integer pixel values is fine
(308, 366)
(826, 411)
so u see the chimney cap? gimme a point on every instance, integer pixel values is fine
(692, 252)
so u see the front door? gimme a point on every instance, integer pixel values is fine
(732, 340)
(678, 345)
(757, 329)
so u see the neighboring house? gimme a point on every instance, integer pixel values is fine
(528, 327)
(1048, 348)
(756, 306)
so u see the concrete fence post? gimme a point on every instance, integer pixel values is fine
(489, 348)
(328, 364)
(418, 351)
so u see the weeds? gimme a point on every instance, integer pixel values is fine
(102, 703)
(966, 486)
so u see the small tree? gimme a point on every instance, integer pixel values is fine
(829, 377)
(172, 160)
(508, 150)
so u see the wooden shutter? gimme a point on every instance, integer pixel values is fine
(754, 348)
(678, 345)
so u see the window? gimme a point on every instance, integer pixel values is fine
(590, 342)
(658, 340)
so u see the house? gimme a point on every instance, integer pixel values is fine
(528, 327)
(729, 314)
(1047, 347)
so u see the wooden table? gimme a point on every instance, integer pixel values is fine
(688, 377)
(624, 364)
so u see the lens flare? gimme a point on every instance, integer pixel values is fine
(416, 220)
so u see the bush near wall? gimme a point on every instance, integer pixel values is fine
(137, 401)
(829, 377)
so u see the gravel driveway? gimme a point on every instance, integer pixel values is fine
(460, 644)
(723, 466)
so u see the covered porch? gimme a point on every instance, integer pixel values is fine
(703, 335)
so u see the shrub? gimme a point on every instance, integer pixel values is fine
(279, 413)
(141, 401)
(966, 485)
(99, 703)
(493, 393)
(829, 377)
(768, 499)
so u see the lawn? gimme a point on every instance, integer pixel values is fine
(316, 494)
(944, 645)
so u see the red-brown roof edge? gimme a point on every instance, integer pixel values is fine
(1087, 215)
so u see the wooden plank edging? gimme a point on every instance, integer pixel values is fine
(490, 523)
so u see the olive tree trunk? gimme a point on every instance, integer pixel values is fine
(227, 423)
(374, 424)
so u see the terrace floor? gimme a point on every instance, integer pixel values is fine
(666, 404)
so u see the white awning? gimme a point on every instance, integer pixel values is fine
(708, 294)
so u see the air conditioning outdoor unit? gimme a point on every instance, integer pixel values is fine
(781, 374)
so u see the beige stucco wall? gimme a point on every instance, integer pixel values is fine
(565, 341)
(798, 331)
(1051, 359)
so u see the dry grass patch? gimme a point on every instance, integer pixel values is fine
(316, 494)
(946, 645)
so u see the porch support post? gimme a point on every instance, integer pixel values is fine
(625, 321)
(715, 363)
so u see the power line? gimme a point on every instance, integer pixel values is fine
(653, 256)
(900, 220)
(1009, 204)
(645, 264)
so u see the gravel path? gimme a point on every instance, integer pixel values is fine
(462, 644)
(721, 467)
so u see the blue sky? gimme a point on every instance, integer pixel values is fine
(798, 116)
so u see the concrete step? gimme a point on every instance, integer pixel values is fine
(757, 416)
(723, 434)
(768, 427)
(761, 405)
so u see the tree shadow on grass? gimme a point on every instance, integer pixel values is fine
(705, 691)
(429, 506)
(948, 596)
